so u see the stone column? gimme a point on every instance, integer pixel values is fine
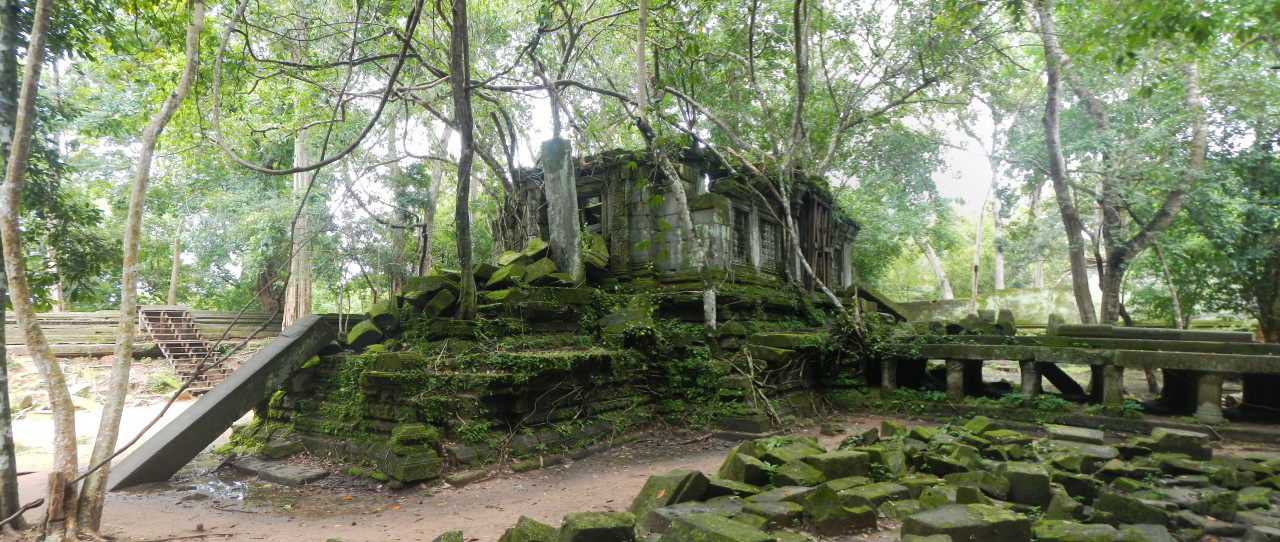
(1209, 398)
(888, 377)
(1112, 384)
(561, 184)
(1030, 380)
(955, 379)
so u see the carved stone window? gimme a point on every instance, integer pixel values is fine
(591, 214)
(770, 252)
(741, 237)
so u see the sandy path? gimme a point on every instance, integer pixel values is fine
(355, 510)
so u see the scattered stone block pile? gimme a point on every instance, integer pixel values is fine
(970, 482)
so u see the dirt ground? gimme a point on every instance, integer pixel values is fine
(225, 505)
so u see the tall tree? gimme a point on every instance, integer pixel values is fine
(8, 121)
(459, 83)
(89, 513)
(59, 516)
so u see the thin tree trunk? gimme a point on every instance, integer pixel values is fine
(1057, 165)
(57, 518)
(1037, 269)
(9, 12)
(944, 285)
(427, 237)
(977, 261)
(997, 240)
(1178, 320)
(89, 514)
(459, 77)
(400, 220)
(174, 271)
(297, 296)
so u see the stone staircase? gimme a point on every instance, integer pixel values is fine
(175, 332)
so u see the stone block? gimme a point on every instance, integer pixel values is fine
(660, 518)
(364, 334)
(539, 270)
(877, 493)
(1220, 506)
(1132, 510)
(1208, 525)
(712, 528)
(412, 467)
(979, 425)
(795, 494)
(535, 249)
(598, 527)
(719, 487)
(900, 510)
(430, 284)
(970, 522)
(512, 258)
(890, 429)
(529, 530)
(1074, 434)
(483, 272)
(506, 275)
(1070, 531)
(668, 489)
(1147, 533)
(1028, 483)
(742, 465)
(439, 305)
(1261, 534)
(280, 449)
(835, 465)
(798, 473)
(776, 513)
(793, 451)
(828, 516)
(451, 536)
(1177, 441)
(991, 484)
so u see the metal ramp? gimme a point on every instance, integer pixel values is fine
(175, 332)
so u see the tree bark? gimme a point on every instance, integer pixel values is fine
(400, 220)
(977, 262)
(459, 76)
(64, 433)
(9, 39)
(1178, 320)
(297, 295)
(944, 285)
(89, 513)
(1037, 269)
(174, 271)
(427, 235)
(997, 239)
(1057, 164)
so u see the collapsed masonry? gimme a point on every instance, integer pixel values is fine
(568, 353)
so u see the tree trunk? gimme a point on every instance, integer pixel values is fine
(977, 262)
(400, 216)
(266, 292)
(997, 240)
(1057, 165)
(64, 432)
(459, 77)
(944, 285)
(172, 298)
(427, 235)
(1037, 269)
(8, 116)
(1178, 320)
(677, 185)
(297, 296)
(89, 514)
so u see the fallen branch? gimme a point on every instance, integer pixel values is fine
(25, 507)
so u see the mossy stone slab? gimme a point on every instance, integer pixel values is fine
(364, 334)
(970, 522)
(712, 528)
(798, 473)
(835, 465)
(1070, 531)
(598, 527)
(530, 530)
(668, 489)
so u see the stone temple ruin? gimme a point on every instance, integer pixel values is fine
(591, 326)
(582, 337)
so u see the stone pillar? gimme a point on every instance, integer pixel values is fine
(888, 377)
(1209, 398)
(561, 184)
(1030, 380)
(955, 379)
(1112, 384)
